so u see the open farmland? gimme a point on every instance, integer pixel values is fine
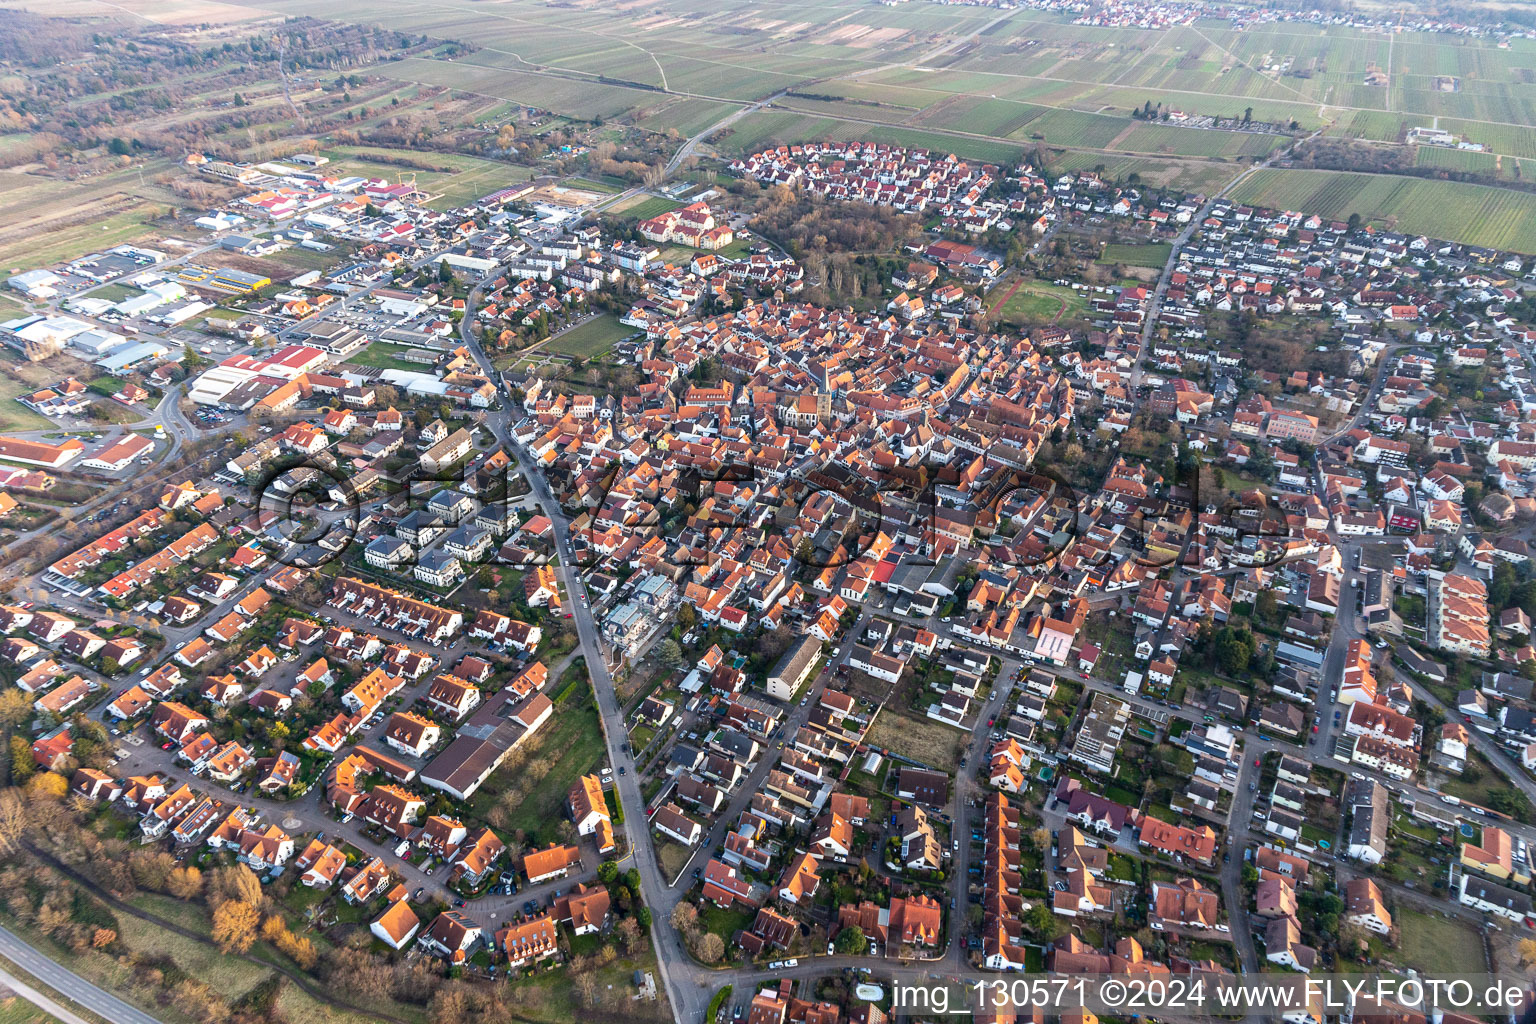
(979, 81)
(465, 180)
(1475, 214)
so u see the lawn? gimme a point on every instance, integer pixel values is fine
(1036, 302)
(1437, 944)
(1155, 255)
(724, 923)
(590, 339)
(14, 415)
(386, 357)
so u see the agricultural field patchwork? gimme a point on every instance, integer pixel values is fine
(1476, 214)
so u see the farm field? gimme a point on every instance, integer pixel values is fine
(590, 339)
(472, 178)
(1444, 159)
(916, 74)
(1475, 214)
(66, 243)
(686, 116)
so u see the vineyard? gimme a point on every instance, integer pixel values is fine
(1474, 214)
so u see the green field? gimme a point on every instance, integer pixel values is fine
(1137, 255)
(386, 357)
(645, 208)
(66, 243)
(591, 339)
(1431, 943)
(1444, 159)
(1036, 302)
(1474, 214)
(13, 415)
(686, 116)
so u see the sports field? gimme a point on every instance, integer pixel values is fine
(1035, 302)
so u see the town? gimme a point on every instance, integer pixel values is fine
(736, 594)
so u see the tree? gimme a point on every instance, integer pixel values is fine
(710, 948)
(685, 918)
(643, 915)
(234, 925)
(1233, 648)
(668, 654)
(13, 821)
(607, 872)
(850, 941)
(1528, 952)
(238, 884)
(22, 765)
(15, 708)
(1502, 586)
(47, 786)
(185, 883)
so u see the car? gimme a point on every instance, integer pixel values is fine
(954, 845)
(829, 949)
(166, 746)
(1314, 728)
(530, 906)
(1176, 707)
(621, 769)
(1256, 762)
(945, 619)
(416, 896)
(775, 965)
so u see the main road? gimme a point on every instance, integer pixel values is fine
(67, 983)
